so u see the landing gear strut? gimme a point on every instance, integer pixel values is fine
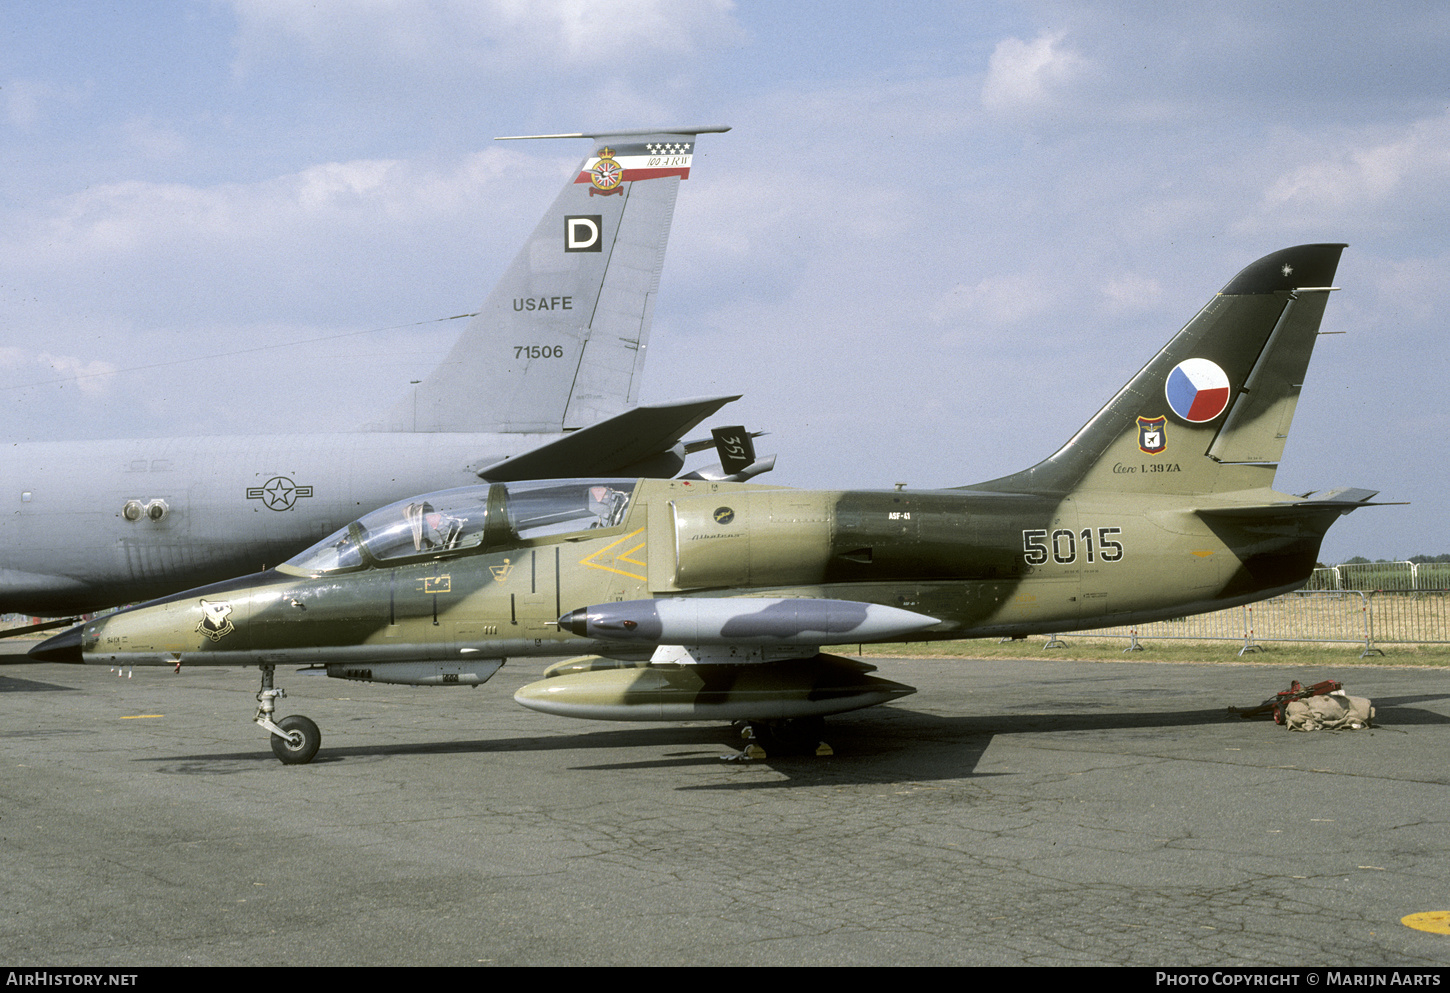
(295, 739)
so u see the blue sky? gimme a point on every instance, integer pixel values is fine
(938, 238)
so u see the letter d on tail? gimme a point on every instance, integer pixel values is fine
(581, 233)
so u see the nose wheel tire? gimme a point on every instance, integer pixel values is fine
(302, 741)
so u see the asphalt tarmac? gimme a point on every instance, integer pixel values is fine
(1010, 813)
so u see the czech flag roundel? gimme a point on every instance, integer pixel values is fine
(1197, 390)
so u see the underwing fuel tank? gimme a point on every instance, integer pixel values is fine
(813, 687)
(743, 621)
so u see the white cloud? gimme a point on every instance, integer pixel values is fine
(155, 140)
(1132, 292)
(22, 101)
(29, 102)
(488, 35)
(1029, 75)
(1008, 300)
(1366, 175)
(25, 368)
(128, 275)
(93, 378)
(112, 220)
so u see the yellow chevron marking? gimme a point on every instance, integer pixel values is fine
(621, 557)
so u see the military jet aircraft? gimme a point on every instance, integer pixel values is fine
(543, 382)
(703, 600)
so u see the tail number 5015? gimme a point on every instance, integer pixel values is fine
(1064, 546)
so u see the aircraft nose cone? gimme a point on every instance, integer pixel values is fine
(64, 647)
(576, 621)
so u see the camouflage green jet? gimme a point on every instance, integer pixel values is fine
(712, 600)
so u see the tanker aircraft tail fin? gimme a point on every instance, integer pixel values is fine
(560, 342)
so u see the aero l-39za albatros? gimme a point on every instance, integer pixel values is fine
(543, 382)
(712, 600)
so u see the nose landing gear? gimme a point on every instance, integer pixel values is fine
(295, 739)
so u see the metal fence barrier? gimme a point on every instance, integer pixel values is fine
(1381, 576)
(1368, 618)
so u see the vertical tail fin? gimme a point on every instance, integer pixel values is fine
(560, 342)
(1211, 411)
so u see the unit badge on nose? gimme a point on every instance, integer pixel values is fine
(1152, 435)
(215, 622)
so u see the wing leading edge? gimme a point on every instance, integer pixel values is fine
(615, 446)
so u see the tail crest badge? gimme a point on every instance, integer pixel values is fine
(1152, 435)
(606, 175)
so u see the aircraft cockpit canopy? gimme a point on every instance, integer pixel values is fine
(471, 517)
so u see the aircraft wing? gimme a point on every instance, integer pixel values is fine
(614, 446)
(714, 656)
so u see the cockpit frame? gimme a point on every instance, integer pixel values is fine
(468, 520)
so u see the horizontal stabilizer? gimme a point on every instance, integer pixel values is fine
(1344, 500)
(612, 446)
(717, 473)
(616, 133)
(756, 468)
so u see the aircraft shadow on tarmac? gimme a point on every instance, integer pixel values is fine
(10, 684)
(1396, 710)
(884, 745)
